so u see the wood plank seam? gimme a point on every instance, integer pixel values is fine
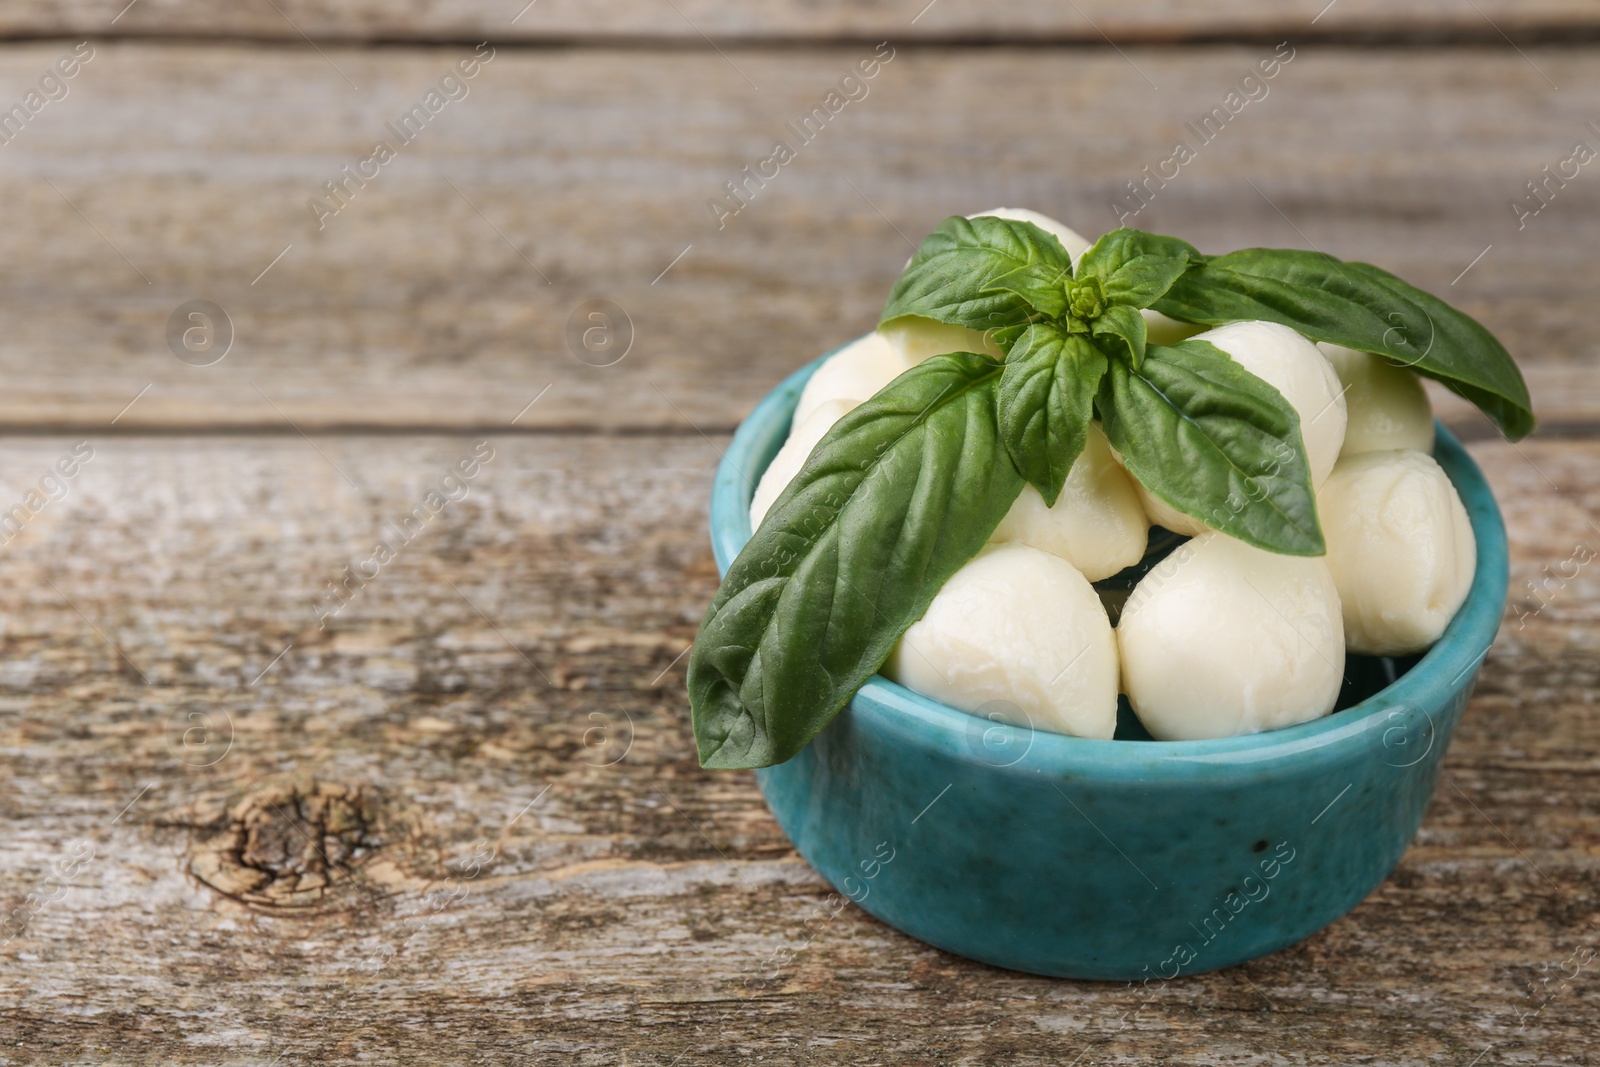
(1365, 39)
(1541, 35)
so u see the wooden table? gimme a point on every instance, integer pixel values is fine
(459, 819)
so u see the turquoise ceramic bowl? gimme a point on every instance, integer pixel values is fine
(1122, 859)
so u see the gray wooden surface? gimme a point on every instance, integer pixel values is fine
(179, 172)
(690, 21)
(462, 821)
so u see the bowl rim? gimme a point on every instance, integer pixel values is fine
(1399, 714)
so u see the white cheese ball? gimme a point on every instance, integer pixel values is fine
(1400, 547)
(1162, 330)
(1223, 639)
(1297, 369)
(793, 455)
(1074, 242)
(854, 373)
(917, 339)
(1019, 635)
(1386, 404)
(1097, 524)
(1163, 514)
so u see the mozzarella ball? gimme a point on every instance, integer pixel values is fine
(854, 373)
(916, 339)
(1019, 635)
(1223, 639)
(793, 455)
(1096, 525)
(1163, 514)
(1400, 547)
(1160, 513)
(1386, 404)
(1297, 369)
(1074, 242)
(1161, 330)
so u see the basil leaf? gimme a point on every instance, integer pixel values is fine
(1359, 306)
(1045, 402)
(899, 494)
(983, 273)
(1136, 268)
(1216, 442)
(1121, 329)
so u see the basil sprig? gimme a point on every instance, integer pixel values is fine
(984, 273)
(900, 493)
(1232, 431)
(908, 486)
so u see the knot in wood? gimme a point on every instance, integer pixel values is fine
(290, 848)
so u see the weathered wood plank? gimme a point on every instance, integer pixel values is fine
(479, 690)
(686, 20)
(440, 293)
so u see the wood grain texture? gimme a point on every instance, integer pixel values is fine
(463, 822)
(686, 20)
(439, 296)
(509, 688)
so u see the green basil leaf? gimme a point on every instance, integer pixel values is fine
(1359, 306)
(1046, 401)
(1121, 329)
(1136, 268)
(899, 494)
(983, 273)
(1216, 442)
